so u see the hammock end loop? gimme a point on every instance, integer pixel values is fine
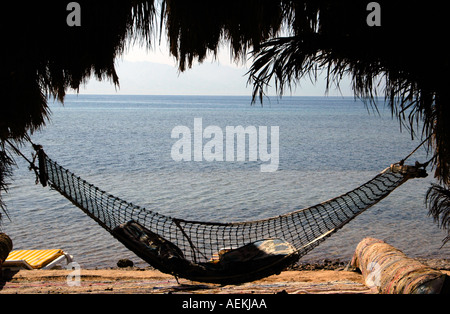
(416, 171)
(43, 176)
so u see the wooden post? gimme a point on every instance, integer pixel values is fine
(390, 271)
(6, 246)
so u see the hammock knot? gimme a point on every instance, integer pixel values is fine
(416, 171)
(43, 176)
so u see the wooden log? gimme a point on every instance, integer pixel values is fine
(390, 271)
(6, 246)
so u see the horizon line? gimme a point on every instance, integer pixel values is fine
(213, 95)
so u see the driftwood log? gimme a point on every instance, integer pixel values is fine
(390, 271)
(6, 246)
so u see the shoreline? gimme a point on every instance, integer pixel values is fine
(326, 264)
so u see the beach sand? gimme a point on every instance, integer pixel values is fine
(152, 281)
(131, 280)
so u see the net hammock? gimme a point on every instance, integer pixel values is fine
(218, 252)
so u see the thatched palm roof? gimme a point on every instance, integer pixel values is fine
(45, 57)
(407, 52)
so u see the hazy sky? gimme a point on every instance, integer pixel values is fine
(154, 72)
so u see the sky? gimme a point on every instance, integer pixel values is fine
(154, 72)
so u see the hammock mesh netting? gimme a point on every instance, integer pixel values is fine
(198, 242)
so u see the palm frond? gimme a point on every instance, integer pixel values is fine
(438, 203)
(6, 164)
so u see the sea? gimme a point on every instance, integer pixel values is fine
(130, 146)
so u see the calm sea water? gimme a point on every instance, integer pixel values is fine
(122, 144)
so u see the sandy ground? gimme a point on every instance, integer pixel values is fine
(151, 281)
(328, 278)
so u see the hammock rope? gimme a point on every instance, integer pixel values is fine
(195, 249)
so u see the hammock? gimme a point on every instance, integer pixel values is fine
(221, 252)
